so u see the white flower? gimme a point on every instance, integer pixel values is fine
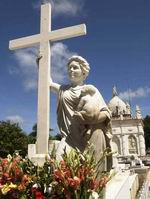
(48, 189)
(94, 195)
(35, 186)
(9, 157)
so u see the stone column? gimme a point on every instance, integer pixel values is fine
(141, 140)
(123, 138)
(124, 145)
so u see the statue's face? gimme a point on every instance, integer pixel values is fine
(75, 72)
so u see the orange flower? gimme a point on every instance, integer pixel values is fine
(103, 181)
(25, 179)
(21, 187)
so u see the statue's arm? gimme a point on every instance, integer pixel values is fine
(54, 86)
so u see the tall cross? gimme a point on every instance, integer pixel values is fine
(43, 39)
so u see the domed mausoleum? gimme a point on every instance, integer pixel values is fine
(116, 105)
(127, 130)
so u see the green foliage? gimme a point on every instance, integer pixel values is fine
(32, 135)
(55, 137)
(146, 122)
(12, 138)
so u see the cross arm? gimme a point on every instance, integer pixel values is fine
(24, 42)
(69, 32)
(55, 35)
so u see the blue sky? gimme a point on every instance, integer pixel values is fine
(117, 46)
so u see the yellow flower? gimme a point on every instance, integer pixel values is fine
(8, 187)
(12, 186)
(5, 189)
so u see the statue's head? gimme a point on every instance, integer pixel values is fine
(82, 63)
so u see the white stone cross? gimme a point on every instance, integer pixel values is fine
(43, 39)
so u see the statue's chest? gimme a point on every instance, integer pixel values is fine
(72, 97)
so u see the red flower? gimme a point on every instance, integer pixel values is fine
(67, 173)
(38, 195)
(6, 177)
(58, 175)
(67, 194)
(94, 184)
(77, 180)
(81, 174)
(74, 182)
(33, 190)
(4, 162)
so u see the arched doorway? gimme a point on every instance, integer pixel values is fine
(132, 145)
(116, 145)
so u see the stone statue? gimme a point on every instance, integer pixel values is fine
(82, 114)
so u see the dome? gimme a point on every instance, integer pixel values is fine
(117, 105)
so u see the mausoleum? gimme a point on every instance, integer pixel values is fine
(127, 130)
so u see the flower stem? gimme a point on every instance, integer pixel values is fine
(76, 195)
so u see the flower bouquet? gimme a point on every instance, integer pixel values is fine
(75, 177)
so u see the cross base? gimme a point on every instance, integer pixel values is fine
(37, 159)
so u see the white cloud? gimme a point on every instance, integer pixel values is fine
(15, 119)
(130, 94)
(28, 69)
(26, 59)
(60, 55)
(64, 7)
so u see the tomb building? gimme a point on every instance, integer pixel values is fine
(127, 130)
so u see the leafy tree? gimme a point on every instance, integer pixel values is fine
(12, 138)
(57, 137)
(32, 135)
(146, 122)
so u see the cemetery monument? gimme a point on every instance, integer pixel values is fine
(43, 39)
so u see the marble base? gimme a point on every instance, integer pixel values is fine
(122, 186)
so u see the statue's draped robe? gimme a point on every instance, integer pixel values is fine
(70, 129)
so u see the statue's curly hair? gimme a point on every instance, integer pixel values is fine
(83, 64)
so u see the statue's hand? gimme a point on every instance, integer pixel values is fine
(82, 117)
(95, 117)
(78, 117)
(38, 58)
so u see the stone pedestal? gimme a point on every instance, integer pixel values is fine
(39, 159)
(31, 150)
(122, 186)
